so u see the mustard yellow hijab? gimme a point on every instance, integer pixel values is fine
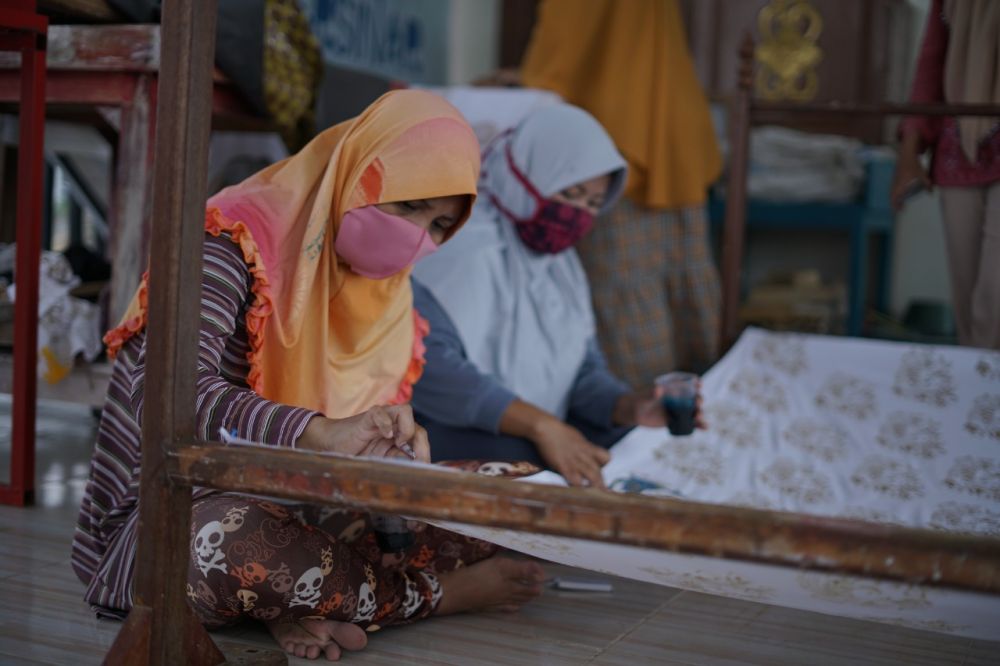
(321, 336)
(627, 63)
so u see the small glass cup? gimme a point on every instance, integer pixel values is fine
(678, 394)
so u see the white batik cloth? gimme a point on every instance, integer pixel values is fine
(879, 431)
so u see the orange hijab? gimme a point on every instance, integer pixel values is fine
(628, 64)
(321, 336)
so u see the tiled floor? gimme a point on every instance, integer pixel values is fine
(43, 620)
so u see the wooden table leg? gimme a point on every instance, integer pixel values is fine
(131, 207)
(20, 491)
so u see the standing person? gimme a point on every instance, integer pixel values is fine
(655, 288)
(960, 63)
(309, 340)
(514, 372)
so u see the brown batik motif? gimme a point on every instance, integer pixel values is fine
(969, 518)
(868, 514)
(988, 366)
(734, 425)
(925, 376)
(863, 593)
(984, 416)
(760, 389)
(975, 476)
(848, 395)
(799, 482)
(888, 477)
(826, 441)
(785, 353)
(911, 433)
(691, 460)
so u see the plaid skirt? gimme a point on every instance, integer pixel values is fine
(655, 289)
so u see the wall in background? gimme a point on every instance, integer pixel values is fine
(399, 39)
(473, 39)
(433, 42)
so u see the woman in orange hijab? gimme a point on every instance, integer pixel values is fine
(309, 340)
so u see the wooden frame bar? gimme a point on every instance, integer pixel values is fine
(161, 628)
(769, 537)
(743, 110)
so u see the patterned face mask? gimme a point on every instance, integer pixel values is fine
(555, 226)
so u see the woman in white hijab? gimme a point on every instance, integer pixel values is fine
(513, 368)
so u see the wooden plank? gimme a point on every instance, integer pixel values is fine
(125, 48)
(122, 48)
(875, 108)
(771, 537)
(161, 628)
(77, 88)
(90, 10)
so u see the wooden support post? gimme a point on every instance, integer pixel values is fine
(161, 628)
(736, 197)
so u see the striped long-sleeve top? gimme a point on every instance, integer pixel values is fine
(106, 534)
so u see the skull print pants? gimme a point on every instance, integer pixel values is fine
(252, 558)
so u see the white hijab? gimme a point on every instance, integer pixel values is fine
(524, 317)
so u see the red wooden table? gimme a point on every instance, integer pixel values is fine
(106, 75)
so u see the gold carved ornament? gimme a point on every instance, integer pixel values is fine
(788, 53)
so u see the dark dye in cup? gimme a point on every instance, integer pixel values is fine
(680, 413)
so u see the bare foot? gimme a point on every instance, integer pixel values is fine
(499, 583)
(312, 638)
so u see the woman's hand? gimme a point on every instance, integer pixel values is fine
(910, 173)
(379, 432)
(569, 453)
(643, 408)
(639, 408)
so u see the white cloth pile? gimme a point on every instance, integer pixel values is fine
(788, 165)
(68, 327)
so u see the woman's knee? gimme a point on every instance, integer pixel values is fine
(255, 558)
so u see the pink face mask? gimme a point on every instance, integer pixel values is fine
(378, 245)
